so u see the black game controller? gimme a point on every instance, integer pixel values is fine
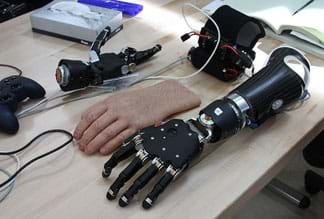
(13, 90)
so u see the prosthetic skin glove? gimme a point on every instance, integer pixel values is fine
(107, 124)
(171, 146)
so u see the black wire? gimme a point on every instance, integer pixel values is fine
(13, 67)
(13, 176)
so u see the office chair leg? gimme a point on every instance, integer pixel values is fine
(314, 183)
(288, 193)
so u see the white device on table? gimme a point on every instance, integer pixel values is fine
(75, 21)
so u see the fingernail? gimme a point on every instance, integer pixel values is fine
(76, 135)
(103, 151)
(80, 144)
(88, 151)
(81, 148)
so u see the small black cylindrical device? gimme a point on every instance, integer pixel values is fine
(76, 74)
(73, 74)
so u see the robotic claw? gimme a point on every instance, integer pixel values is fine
(171, 146)
(76, 74)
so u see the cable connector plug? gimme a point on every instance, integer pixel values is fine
(185, 37)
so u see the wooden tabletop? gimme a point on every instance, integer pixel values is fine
(69, 183)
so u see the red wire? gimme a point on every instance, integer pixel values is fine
(229, 47)
(199, 34)
(233, 71)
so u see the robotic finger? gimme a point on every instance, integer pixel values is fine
(125, 151)
(140, 182)
(137, 163)
(163, 183)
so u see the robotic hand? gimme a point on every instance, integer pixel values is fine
(171, 146)
(76, 74)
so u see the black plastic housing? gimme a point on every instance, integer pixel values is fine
(110, 65)
(82, 74)
(238, 31)
(79, 74)
(268, 92)
(174, 143)
(276, 81)
(226, 117)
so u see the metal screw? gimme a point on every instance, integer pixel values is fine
(277, 104)
(162, 129)
(163, 149)
(218, 111)
(152, 138)
(177, 155)
(176, 125)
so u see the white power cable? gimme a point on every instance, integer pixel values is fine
(211, 55)
(4, 192)
(101, 90)
(184, 15)
(32, 110)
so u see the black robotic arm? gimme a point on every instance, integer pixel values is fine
(76, 74)
(171, 146)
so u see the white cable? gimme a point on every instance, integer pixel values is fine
(56, 96)
(211, 55)
(63, 103)
(103, 89)
(32, 110)
(184, 15)
(41, 102)
(18, 162)
(7, 189)
(162, 70)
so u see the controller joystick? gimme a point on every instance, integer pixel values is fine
(13, 90)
